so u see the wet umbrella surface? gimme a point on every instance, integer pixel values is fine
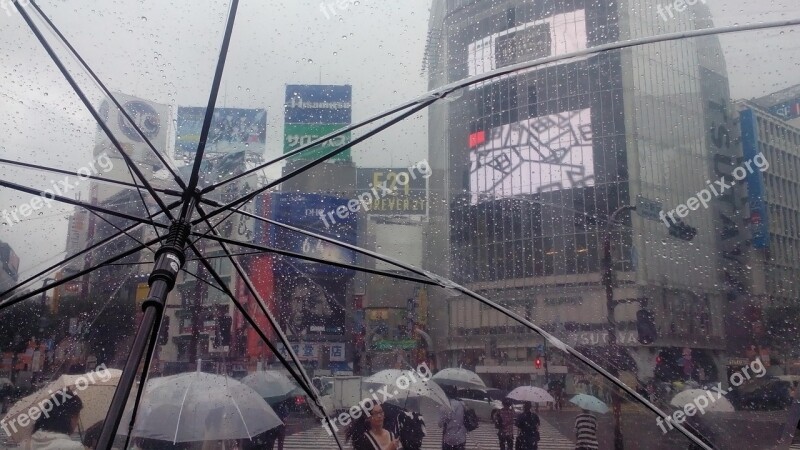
(244, 210)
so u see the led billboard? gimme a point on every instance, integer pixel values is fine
(232, 130)
(556, 35)
(540, 154)
(312, 111)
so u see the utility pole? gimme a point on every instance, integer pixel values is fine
(613, 349)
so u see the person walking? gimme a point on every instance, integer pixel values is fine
(586, 431)
(52, 431)
(528, 423)
(368, 433)
(504, 422)
(454, 436)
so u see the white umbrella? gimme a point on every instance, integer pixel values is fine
(692, 395)
(589, 402)
(531, 394)
(200, 406)
(404, 384)
(95, 389)
(459, 377)
(270, 384)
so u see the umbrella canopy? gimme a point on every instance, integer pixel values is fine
(457, 376)
(201, 406)
(333, 188)
(531, 394)
(714, 401)
(270, 384)
(409, 384)
(95, 390)
(589, 402)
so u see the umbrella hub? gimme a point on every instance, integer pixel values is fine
(170, 257)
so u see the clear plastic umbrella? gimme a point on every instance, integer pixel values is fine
(714, 401)
(270, 384)
(457, 376)
(531, 394)
(589, 402)
(200, 406)
(405, 384)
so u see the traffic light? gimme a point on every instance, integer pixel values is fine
(163, 332)
(682, 230)
(538, 362)
(646, 326)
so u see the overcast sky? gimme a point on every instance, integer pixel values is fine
(166, 51)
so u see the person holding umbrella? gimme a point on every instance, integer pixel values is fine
(528, 424)
(52, 431)
(586, 431)
(454, 435)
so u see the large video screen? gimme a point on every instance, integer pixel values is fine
(555, 35)
(540, 154)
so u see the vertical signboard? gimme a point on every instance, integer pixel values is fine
(313, 111)
(755, 184)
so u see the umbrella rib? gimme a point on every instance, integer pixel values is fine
(14, 301)
(85, 100)
(318, 161)
(241, 416)
(399, 276)
(337, 242)
(212, 98)
(180, 413)
(108, 94)
(76, 255)
(91, 177)
(325, 138)
(62, 199)
(306, 380)
(250, 320)
(449, 88)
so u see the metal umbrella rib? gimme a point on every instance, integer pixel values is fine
(89, 106)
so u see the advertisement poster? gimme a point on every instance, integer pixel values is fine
(232, 130)
(313, 111)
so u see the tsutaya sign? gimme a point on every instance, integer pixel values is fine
(596, 338)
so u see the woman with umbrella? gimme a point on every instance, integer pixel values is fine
(368, 433)
(528, 424)
(52, 431)
(408, 426)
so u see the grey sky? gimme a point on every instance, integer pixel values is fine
(166, 52)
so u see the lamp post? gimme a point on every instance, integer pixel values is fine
(613, 350)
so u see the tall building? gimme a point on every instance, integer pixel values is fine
(533, 165)
(773, 215)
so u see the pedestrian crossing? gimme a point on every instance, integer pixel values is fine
(484, 438)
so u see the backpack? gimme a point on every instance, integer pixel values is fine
(470, 419)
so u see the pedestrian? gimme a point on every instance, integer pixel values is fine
(367, 432)
(504, 422)
(53, 430)
(454, 436)
(282, 411)
(586, 431)
(528, 423)
(408, 426)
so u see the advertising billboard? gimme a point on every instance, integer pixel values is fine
(406, 194)
(787, 110)
(541, 154)
(556, 35)
(312, 111)
(232, 130)
(759, 225)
